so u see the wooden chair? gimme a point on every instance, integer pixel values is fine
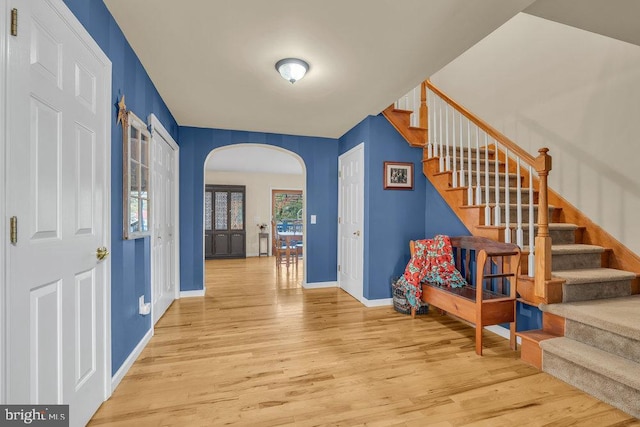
(279, 248)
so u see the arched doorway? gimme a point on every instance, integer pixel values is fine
(256, 170)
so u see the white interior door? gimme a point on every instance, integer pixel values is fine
(164, 220)
(351, 226)
(58, 169)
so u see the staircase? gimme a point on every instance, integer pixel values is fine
(583, 279)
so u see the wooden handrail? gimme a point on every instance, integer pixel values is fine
(490, 130)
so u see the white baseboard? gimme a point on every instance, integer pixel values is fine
(128, 363)
(317, 285)
(503, 332)
(377, 302)
(189, 294)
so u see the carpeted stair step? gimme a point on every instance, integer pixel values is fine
(561, 233)
(492, 179)
(593, 283)
(576, 256)
(513, 213)
(620, 315)
(513, 194)
(480, 150)
(610, 378)
(605, 340)
(483, 166)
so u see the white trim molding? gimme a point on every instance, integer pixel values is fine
(501, 331)
(130, 360)
(191, 294)
(319, 285)
(377, 302)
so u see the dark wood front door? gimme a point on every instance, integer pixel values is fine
(224, 225)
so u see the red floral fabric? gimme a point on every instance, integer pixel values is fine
(432, 262)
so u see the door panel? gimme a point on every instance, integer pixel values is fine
(57, 173)
(350, 208)
(163, 244)
(224, 224)
(46, 343)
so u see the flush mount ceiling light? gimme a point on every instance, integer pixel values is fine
(292, 69)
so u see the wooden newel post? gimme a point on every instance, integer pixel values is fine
(424, 122)
(543, 239)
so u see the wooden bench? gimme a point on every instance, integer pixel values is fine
(489, 298)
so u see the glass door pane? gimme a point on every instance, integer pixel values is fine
(221, 207)
(237, 211)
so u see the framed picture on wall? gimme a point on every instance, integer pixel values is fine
(398, 176)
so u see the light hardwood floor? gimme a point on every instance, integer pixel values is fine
(258, 350)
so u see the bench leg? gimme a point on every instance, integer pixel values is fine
(512, 336)
(479, 340)
(413, 312)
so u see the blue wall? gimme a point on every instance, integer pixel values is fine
(321, 160)
(130, 260)
(391, 217)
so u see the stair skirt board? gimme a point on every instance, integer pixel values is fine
(600, 383)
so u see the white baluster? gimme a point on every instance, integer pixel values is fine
(478, 186)
(453, 150)
(507, 199)
(497, 219)
(447, 158)
(462, 174)
(469, 166)
(441, 163)
(519, 232)
(487, 193)
(532, 263)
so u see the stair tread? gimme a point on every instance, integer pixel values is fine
(623, 370)
(536, 335)
(552, 226)
(619, 315)
(575, 248)
(591, 275)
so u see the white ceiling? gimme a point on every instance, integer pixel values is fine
(213, 60)
(253, 158)
(618, 19)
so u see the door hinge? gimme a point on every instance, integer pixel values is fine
(14, 230)
(339, 220)
(339, 174)
(14, 22)
(339, 268)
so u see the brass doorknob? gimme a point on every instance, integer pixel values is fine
(102, 253)
(356, 233)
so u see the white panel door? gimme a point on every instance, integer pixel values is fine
(351, 213)
(164, 265)
(57, 171)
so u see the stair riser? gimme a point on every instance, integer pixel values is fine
(558, 237)
(604, 340)
(576, 261)
(492, 165)
(599, 290)
(513, 196)
(513, 216)
(492, 181)
(606, 389)
(474, 154)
